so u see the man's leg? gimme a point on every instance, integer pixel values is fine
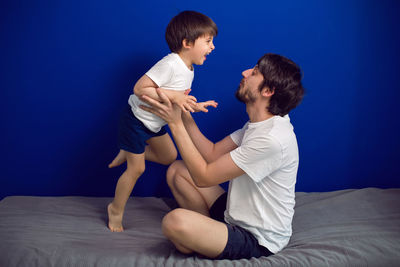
(194, 232)
(187, 194)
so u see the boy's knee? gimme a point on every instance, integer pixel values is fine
(136, 171)
(170, 158)
(173, 156)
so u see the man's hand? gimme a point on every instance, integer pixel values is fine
(165, 109)
(202, 106)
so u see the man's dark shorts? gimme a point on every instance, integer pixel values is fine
(241, 243)
(133, 134)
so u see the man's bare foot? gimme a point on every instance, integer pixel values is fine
(119, 159)
(114, 219)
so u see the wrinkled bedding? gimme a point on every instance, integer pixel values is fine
(355, 227)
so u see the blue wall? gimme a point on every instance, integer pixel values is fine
(68, 67)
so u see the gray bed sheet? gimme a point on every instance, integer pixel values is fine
(340, 228)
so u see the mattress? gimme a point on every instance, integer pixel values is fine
(354, 227)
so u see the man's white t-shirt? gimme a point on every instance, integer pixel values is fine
(169, 73)
(262, 199)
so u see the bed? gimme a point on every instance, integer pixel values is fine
(355, 227)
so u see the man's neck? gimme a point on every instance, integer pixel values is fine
(257, 113)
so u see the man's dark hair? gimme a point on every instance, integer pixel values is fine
(283, 77)
(188, 25)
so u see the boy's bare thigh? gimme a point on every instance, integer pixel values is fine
(162, 148)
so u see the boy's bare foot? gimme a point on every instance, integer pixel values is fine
(119, 159)
(114, 219)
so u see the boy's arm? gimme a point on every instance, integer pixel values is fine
(146, 86)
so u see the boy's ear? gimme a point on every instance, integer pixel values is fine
(186, 43)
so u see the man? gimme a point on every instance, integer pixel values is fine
(260, 161)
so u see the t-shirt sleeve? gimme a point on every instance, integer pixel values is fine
(258, 157)
(237, 135)
(161, 73)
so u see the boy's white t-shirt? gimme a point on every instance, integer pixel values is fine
(262, 199)
(169, 73)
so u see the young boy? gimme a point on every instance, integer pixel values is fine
(142, 135)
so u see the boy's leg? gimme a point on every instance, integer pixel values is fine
(187, 194)
(161, 149)
(119, 159)
(194, 232)
(125, 184)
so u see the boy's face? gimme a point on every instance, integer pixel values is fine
(200, 49)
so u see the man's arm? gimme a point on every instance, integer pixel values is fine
(207, 149)
(146, 86)
(204, 174)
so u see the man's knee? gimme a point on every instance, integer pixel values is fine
(174, 223)
(173, 171)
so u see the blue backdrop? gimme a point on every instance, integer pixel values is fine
(68, 67)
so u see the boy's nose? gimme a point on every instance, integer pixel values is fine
(212, 46)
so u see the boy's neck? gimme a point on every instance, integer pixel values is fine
(186, 60)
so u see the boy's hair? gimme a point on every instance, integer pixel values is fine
(283, 77)
(188, 25)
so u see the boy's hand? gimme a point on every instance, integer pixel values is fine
(185, 101)
(202, 106)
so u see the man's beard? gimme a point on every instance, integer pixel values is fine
(245, 95)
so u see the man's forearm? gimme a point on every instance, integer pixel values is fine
(205, 146)
(204, 174)
(194, 161)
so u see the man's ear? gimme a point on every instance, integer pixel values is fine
(267, 92)
(186, 43)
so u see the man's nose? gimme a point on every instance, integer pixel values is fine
(246, 73)
(212, 46)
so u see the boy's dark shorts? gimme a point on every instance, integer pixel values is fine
(133, 134)
(241, 243)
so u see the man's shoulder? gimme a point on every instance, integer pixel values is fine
(277, 129)
(283, 131)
